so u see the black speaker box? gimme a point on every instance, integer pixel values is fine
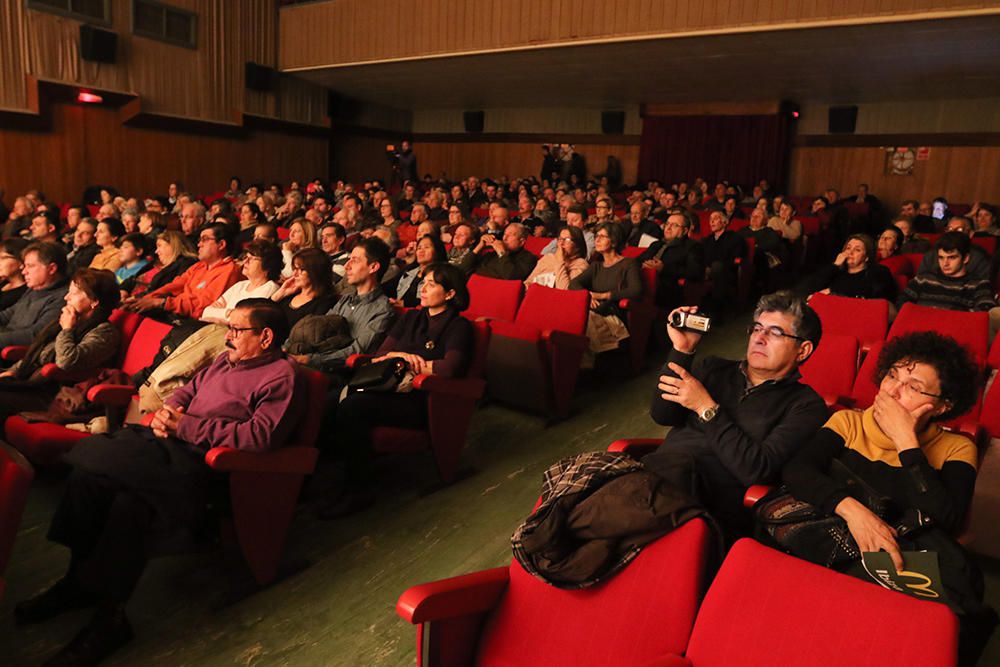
(97, 45)
(474, 121)
(613, 122)
(843, 120)
(260, 78)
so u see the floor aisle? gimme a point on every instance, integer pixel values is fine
(340, 609)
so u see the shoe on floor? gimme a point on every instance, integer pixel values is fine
(63, 596)
(103, 635)
(346, 504)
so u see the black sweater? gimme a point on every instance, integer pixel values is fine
(754, 434)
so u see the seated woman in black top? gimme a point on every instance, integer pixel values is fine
(855, 272)
(405, 290)
(12, 285)
(923, 475)
(309, 290)
(434, 340)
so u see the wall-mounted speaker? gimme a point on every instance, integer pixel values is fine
(474, 121)
(97, 45)
(842, 120)
(260, 77)
(613, 122)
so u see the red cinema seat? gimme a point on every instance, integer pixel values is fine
(534, 361)
(969, 329)
(864, 319)
(264, 486)
(899, 265)
(767, 608)
(15, 481)
(535, 244)
(450, 404)
(45, 443)
(283, 233)
(635, 447)
(987, 243)
(493, 299)
(632, 251)
(504, 616)
(832, 367)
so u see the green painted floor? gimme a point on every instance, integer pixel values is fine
(340, 609)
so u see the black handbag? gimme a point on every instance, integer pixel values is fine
(382, 376)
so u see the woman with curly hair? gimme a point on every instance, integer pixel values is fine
(922, 475)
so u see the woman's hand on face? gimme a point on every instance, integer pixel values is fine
(898, 423)
(841, 258)
(68, 318)
(870, 532)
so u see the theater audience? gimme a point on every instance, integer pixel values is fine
(405, 290)
(12, 285)
(575, 217)
(19, 219)
(722, 248)
(198, 287)
(677, 257)
(924, 475)
(45, 226)
(333, 238)
(950, 285)
(367, 310)
(144, 492)
(853, 272)
(980, 266)
(785, 223)
(986, 221)
(174, 256)
(262, 265)
(889, 242)
(736, 423)
(509, 260)
(567, 263)
(434, 340)
(192, 220)
(301, 234)
(108, 232)
(912, 243)
(309, 290)
(44, 271)
(83, 245)
(81, 339)
(609, 279)
(464, 237)
(132, 253)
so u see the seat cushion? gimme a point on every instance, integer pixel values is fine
(641, 613)
(41, 442)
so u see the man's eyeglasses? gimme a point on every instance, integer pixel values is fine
(910, 386)
(777, 333)
(237, 331)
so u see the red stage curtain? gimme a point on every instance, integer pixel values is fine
(739, 149)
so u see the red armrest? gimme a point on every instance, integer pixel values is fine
(56, 374)
(111, 394)
(288, 460)
(563, 339)
(357, 359)
(635, 447)
(472, 593)
(14, 352)
(755, 493)
(468, 387)
(669, 660)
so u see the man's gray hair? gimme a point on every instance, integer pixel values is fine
(805, 320)
(522, 231)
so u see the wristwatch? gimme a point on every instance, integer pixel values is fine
(708, 414)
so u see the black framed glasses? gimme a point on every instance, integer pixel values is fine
(777, 333)
(238, 331)
(909, 385)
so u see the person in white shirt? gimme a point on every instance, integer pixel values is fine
(262, 265)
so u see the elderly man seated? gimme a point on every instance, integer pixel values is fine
(509, 260)
(736, 423)
(143, 492)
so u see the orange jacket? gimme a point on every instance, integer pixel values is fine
(199, 287)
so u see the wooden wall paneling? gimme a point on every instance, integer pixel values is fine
(323, 33)
(88, 145)
(959, 173)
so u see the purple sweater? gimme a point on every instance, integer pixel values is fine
(250, 405)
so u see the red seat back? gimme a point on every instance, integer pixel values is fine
(899, 265)
(632, 251)
(863, 393)
(832, 367)
(144, 345)
(990, 414)
(547, 308)
(810, 224)
(993, 360)
(127, 323)
(535, 244)
(493, 298)
(987, 243)
(15, 480)
(283, 233)
(969, 329)
(914, 258)
(864, 319)
(768, 608)
(314, 385)
(641, 613)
